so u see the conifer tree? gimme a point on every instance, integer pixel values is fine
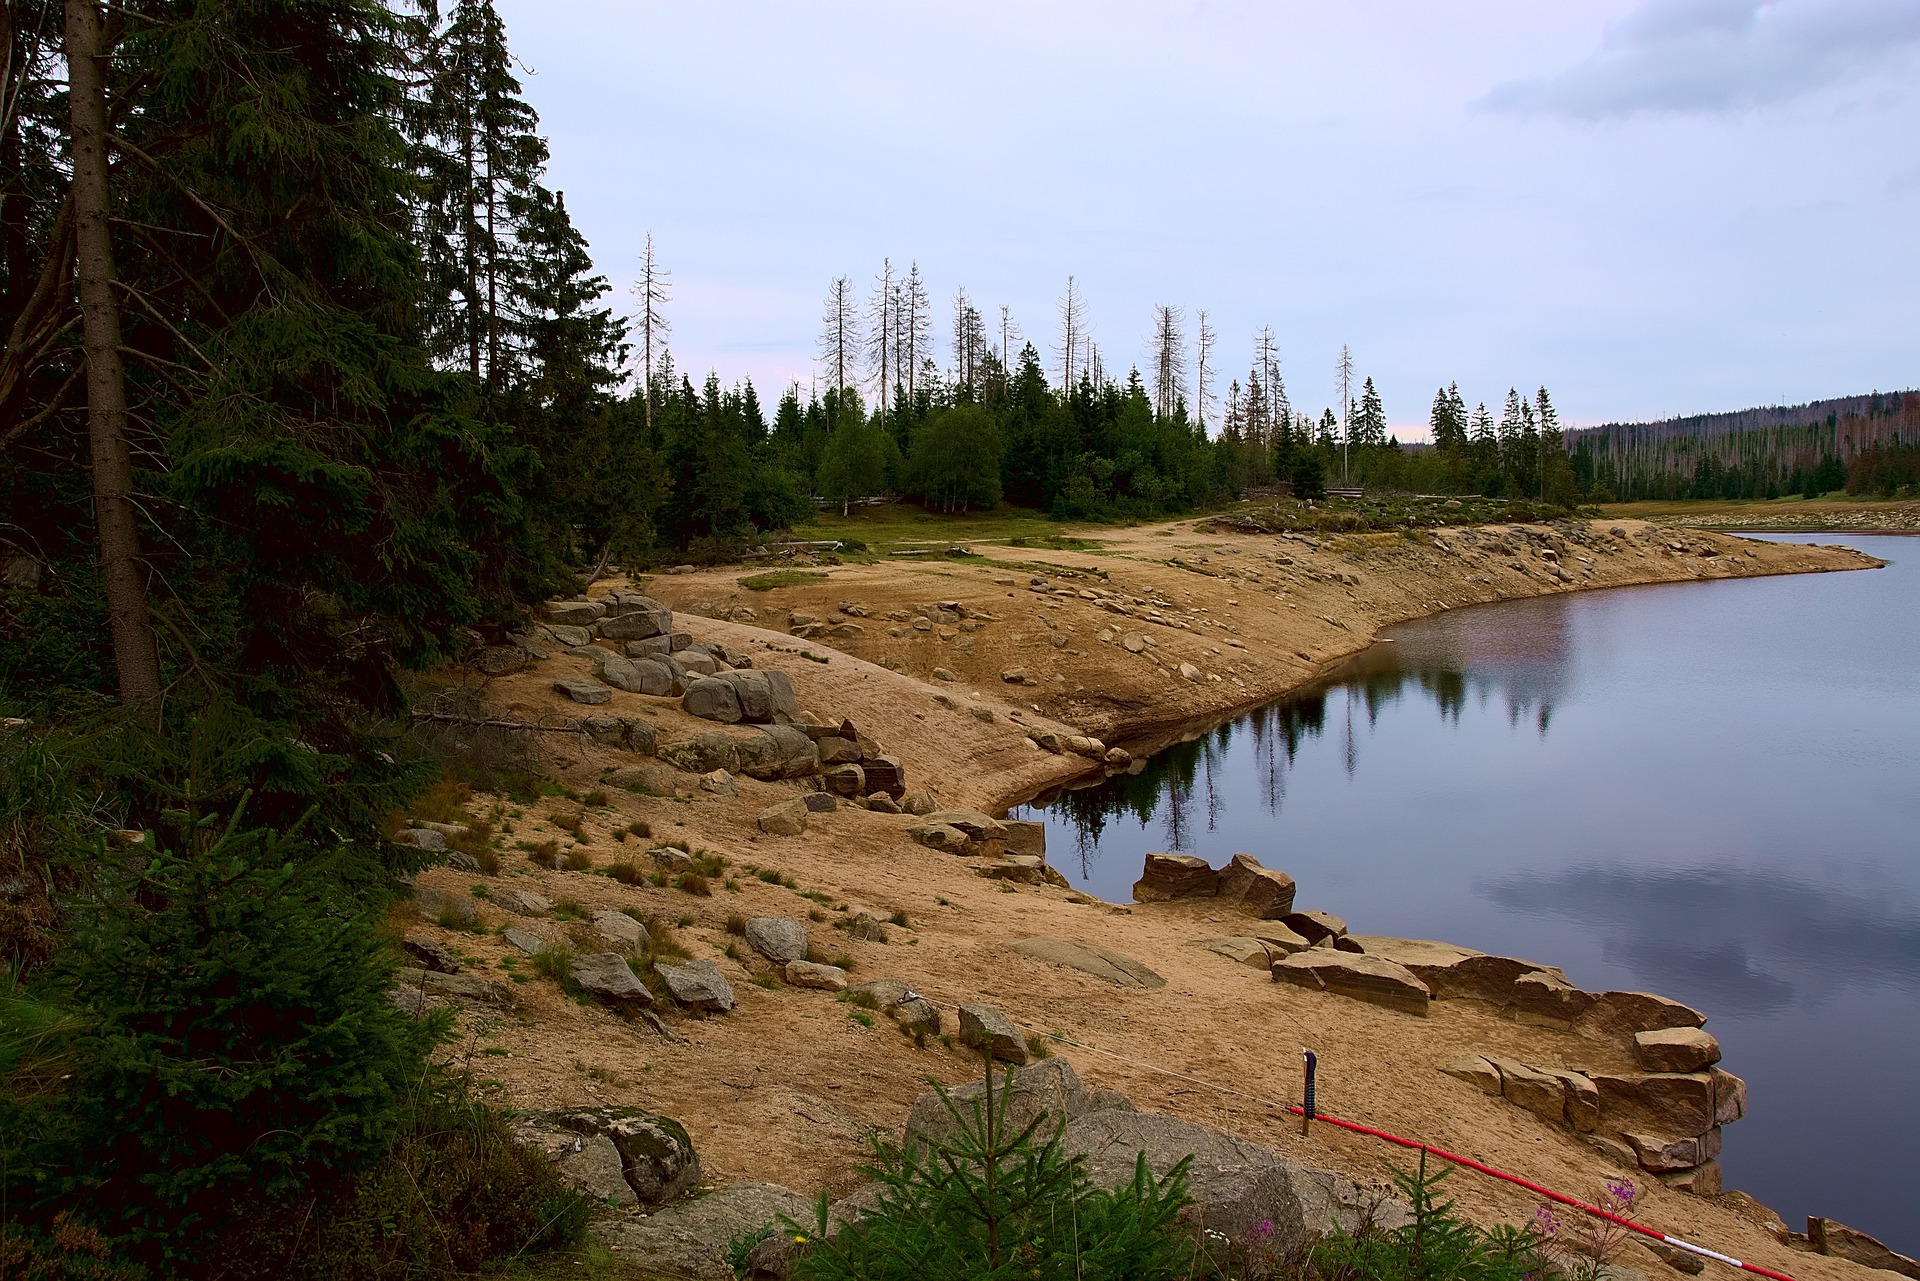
(840, 335)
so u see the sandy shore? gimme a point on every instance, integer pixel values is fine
(1155, 628)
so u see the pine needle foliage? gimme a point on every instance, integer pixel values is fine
(996, 1202)
(1437, 1245)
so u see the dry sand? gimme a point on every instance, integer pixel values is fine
(784, 1087)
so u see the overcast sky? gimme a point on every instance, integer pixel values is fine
(1650, 207)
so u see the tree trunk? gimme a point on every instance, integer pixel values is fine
(135, 655)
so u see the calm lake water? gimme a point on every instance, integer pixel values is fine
(1707, 790)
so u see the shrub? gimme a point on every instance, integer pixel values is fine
(241, 1042)
(641, 828)
(1039, 1047)
(695, 884)
(545, 853)
(998, 1202)
(736, 924)
(1437, 1245)
(626, 873)
(773, 578)
(595, 800)
(578, 860)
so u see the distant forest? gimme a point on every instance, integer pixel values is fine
(1867, 445)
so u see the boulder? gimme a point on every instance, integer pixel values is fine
(422, 838)
(1661, 1155)
(1476, 1071)
(886, 774)
(1363, 978)
(921, 803)
(618, 927)
(1842, 1242)
(820, 802)
(846, 780)
(1538, 1092)
(585, 691)
(754, 693)
(1674, 1257)
(1192, 673)
(651, 647)
(1705, 1179)
(827, 978)
(1542, 998)
(1242, 950)
(531, 942)
(1314, 926)
(939, 836)
(521, 902)
(1656, 1103)
(984, 1027)
(1256, 890)
(1620, 1015)
(1015, 676)
(977, 826)
(788, 818)
(1453, 973)
(1025, 837)
(774, 752)
(1164, 877)
(698, 986)
(639, 624)
(574, 613)
(1049, 1091)
(712, 699)
(835, 750)
(452, 987)
(692, 1237)
(606, 976)
(1249, 1195)
(654, 1157)
(778, 938)
(1282, 940)
(1583, 1099)
(446, 907)
(1729, 1096)
(429, 955)
(881, 803)
(1121, 971)
(1676, 1049)
(1023, 868)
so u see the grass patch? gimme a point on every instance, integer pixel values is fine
(595, 800)
(545, 853)
(695, 884)
(772, 578)
(737, 924)
(863, 1018)
(641, 828)
(578, 860)
(626, 872)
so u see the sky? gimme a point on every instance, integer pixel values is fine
(1651, 207)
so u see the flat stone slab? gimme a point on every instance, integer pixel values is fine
(1119, 970)
(584, 691)
(1676, 1049)
(1242, 950)
(1373, 979)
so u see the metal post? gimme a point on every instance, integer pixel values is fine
(1306, 1100)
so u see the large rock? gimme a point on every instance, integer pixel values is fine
(827, 978)
(1164, 877)
(1121, 971)
(1842, 1242)
(1243, 950)
(1729, 1096)
(1363, 978)
(712, 699)
(1315, 926)
(618, 927)
(1662, 1155)
(977, 826)
(1676, 1049)
(606, 976)
(1258, 891)
(1238, 1187)
(846, 780)
(886, 774)
(1656, 1102)
(1540, 1093)
(576, 613)
(533, 942)
(939, 836)
(639, 676)
(776, 751)
(754, 693)
(984, 1027)
(1451, 972)
(1542, 998)
(691, 1237)
(1049, 1091)
(428, 954)
(654, 1161)
(1620, 1015)
(638, 624)
(788, 818)
(522, 902)
(1025, 837)
(1476, 1070)
(1283, 941)
(445, 906)
(778, 938)
(450, 987)
(698, 986)
(835, 750)
(1583, 1098)
(585, 691)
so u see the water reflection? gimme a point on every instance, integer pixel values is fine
(1519, 658)
(1744, 941)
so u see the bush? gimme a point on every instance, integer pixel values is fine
(626, 872)
(1437, 1245)
(993, 1204)
(240, 1041)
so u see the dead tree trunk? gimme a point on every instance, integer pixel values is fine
(135, 655)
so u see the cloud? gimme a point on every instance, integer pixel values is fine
(1716, 56)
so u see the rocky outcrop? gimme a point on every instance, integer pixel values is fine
(627, 1156)
(1048, 1092)
(1175, 876)
(691, 1238)
(1364, 978)
(1839, 1241)
(1676, 1049)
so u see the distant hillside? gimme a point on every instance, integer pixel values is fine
(1759, 453)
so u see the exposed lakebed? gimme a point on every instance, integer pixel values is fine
(1703, 790)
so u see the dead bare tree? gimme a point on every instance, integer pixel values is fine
(651, 291)
(1204, 340)
(882, 329)
(840, 339)
(1073, 335)
(1169, 360)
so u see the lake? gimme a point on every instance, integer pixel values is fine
(1706, 790)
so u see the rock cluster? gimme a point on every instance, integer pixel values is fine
(1010, 849)
(1259, 891)
(1667, 1123)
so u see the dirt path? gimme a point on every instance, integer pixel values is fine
(783, 1088)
